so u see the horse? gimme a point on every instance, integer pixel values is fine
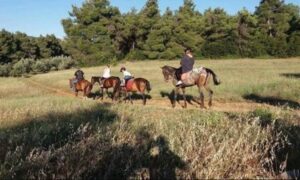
(136, 85)
(201, 79)
(82, 85)
(111, 82)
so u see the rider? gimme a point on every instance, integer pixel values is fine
(106, 74)
(127, 75)
(78, 77)
(187, 63)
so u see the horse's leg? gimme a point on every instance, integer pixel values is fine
(76, 93)
(210, 94)
(175, 97)
(184, 98)
(201, 97)
(144, 98)
(125, 96)
(106, 91)
(102, 94)
(130, 93)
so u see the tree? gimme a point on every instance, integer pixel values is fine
(49, 46)
(245, 34)
(188, 27)
(219, 34)
(273, 23)
(90, 31)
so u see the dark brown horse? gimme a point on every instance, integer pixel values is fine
(201, 79)
(136, 85)
(111, 82)
(82, 85)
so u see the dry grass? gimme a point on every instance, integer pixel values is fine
(46, 135)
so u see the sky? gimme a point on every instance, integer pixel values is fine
(41, 17)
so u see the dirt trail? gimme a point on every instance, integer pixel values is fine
(165, 103)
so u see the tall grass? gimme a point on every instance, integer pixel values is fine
(47, 135)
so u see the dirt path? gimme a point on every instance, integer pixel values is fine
(165, 103)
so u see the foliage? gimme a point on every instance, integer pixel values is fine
(15, 46)
(95, 37)
(25, 66)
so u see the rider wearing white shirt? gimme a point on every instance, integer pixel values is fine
(127, 75)
(105, 75)
(106, 72)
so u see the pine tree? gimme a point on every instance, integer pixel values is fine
(273, 23)
(245, 32)
(219, 34)
(90, 32)
(188, 27)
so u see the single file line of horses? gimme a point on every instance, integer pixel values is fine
(161, 103)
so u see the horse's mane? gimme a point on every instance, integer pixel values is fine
(169, 68)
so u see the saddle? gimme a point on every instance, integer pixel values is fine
(129, 84)
(193, 75)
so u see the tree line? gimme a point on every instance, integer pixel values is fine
(98, 33)
(22, 54)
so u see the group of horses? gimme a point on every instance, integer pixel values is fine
(141, 85)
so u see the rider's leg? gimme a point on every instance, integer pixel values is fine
(179, 82)
(74, 84)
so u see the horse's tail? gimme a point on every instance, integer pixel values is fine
(117, 89)
(148, 87)
(89, 89)
(215, 77)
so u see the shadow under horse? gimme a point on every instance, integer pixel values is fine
(133, 85)
(82, 85)
(111, 82)
(201, 80)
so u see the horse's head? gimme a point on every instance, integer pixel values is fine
(167, 72)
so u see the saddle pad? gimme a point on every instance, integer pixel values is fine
(129, 84)
(189, 79)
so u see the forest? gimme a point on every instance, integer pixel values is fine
(98, 33)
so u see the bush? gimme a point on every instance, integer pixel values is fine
(41, 66)
(135, 55)
(66, 63)
(22, 67)
(168, 54)
(294, 44)
(5, 70)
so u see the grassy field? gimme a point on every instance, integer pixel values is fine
(47, 133)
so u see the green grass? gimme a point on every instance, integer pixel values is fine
(47, 135)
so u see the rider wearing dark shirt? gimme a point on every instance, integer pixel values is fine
(79, 74)
(187, 64)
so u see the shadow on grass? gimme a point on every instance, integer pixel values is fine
(87, 144)
(190, 99)
(291, 75)
(274, 101)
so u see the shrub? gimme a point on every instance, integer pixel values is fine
(5, 70)
(66, 63)
(22, 67)
(135, 54)
(41, 66)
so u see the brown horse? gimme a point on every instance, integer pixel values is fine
(201, 79)
(111, 82)
(82, 85)
(136, 85)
